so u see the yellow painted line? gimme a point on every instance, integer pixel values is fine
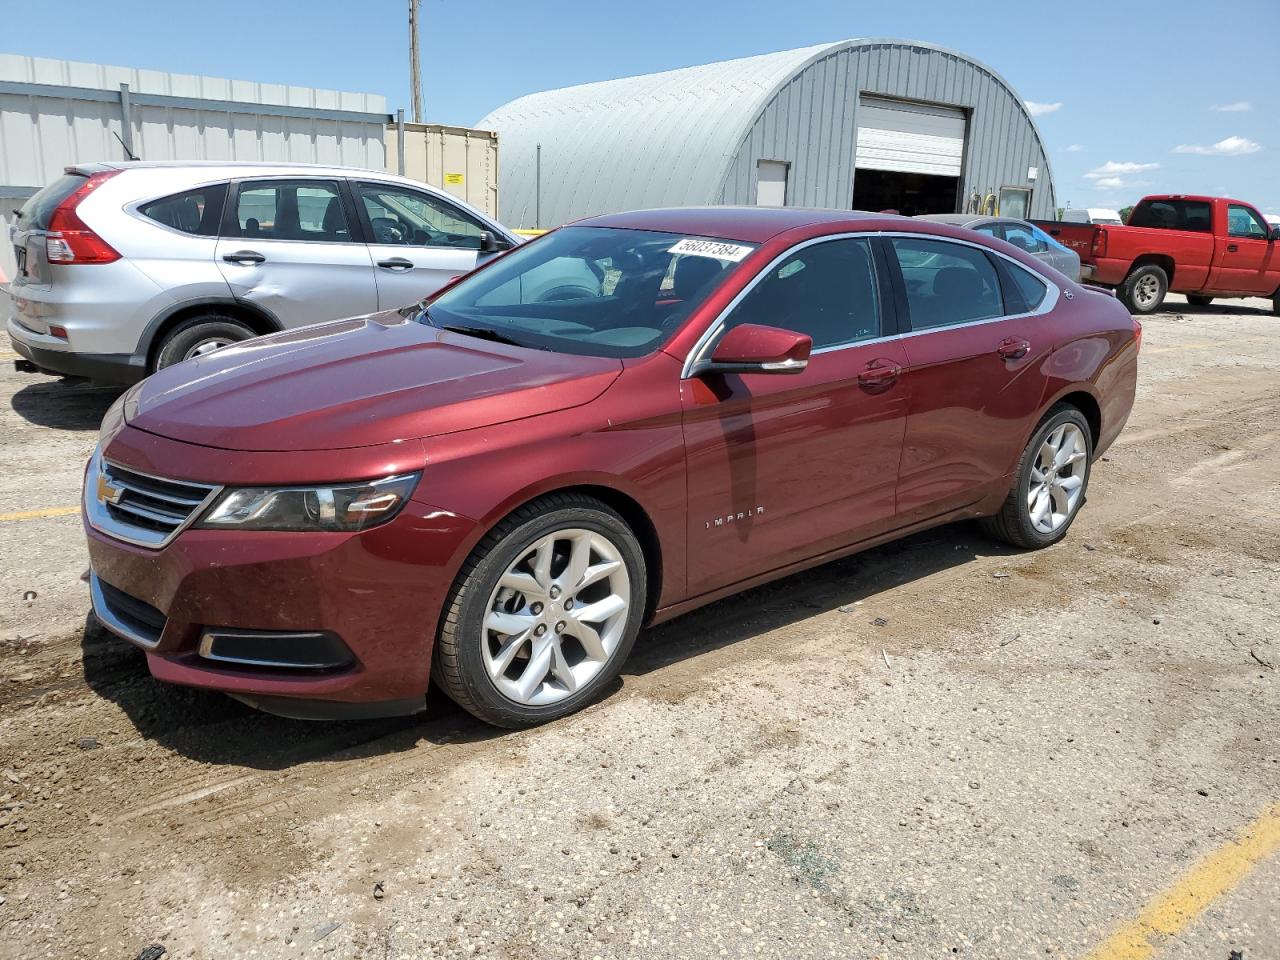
(1194, 891)
(529, 233)
(1206, 346)
(6, 356)
(40, 514)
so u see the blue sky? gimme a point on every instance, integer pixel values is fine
(1138, 97)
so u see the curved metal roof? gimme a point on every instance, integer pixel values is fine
(660, 139)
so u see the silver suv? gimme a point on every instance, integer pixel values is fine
(124, 268)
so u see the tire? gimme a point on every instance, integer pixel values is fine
(1143, 291)
(204, 331)
(1015, 523)
(1275, 305)
(1199, 300)
(480, 668)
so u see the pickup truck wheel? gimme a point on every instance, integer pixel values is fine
(198, 336)
(543, 613)
(1199, 300)
(1144, 289)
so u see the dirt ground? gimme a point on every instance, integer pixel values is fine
(1027, 752)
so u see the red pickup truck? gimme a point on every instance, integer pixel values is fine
(1204, 247)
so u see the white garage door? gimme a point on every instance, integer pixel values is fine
(909, 137)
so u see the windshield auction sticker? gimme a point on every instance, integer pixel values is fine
(711, 248)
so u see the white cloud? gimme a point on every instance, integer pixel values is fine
(1040, 109)
(1112, 169)
(1111, 183)
(1074, 148)
(1230, 147)
(1240, 106)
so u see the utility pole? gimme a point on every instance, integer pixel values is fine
(415, 68)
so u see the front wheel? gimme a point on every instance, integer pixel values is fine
(1050, 483)
(1199, 300)
(543, 614)
(1143, 291)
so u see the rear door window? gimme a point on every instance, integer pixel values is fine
(1194, 215)
(1024, 238)
(298, 210)
(197, 212)
(947, 283)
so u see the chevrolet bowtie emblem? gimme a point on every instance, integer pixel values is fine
(108, 492)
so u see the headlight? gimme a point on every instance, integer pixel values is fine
(354, 506)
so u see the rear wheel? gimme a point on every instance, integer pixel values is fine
(1050, 483)
(1199, 300)
(543, 614)
(197, 336)
(1143, 291)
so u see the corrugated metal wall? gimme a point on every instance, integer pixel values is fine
(458, 160)
(57, 112)
(811, 122)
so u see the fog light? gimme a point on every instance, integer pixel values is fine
(305, 650)
(57, 331)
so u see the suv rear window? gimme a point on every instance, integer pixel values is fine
(37, 211)
(197, 212)
(1192, 215)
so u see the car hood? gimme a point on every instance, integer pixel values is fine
(357, 383)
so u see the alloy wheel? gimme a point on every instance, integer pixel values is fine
(207, 346)
(1057, 478)
(556, 617)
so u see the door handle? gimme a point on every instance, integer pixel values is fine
(879, 373)
(1232, 248)
(1013, 348)
(244, 256)
(396, 263)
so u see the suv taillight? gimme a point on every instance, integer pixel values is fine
(1099, 246)
(1137, 336)
(69, 239)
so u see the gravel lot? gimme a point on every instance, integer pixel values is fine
(1021, 758)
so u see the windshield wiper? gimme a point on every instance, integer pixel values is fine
(484, 333)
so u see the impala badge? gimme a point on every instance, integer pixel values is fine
(734, 517)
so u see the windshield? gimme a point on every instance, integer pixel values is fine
(596, 291)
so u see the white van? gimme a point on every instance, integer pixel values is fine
(1092, 215)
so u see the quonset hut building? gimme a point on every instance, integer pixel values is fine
(857, 124)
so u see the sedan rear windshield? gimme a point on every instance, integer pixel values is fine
(594, 291)
(37, 211)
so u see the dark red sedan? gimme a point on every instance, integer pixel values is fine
(606, 427)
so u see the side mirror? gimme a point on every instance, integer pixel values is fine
(753, 348)
(489, 243)
(1275, 234)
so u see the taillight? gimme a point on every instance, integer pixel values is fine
(1137, 336)
(69, 239)
(1099, 247)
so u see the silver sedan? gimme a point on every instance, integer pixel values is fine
(1025, 236)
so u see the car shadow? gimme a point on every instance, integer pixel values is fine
(212, 728)
(68, 403)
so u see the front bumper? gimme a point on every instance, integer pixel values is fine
(379, 591)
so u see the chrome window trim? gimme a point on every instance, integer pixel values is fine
(97, 516)
(1052, 295)
(102, 611)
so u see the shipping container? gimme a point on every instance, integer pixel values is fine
(459, 160)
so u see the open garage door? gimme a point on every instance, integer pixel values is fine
(909, 156)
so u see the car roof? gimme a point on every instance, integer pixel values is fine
(236, 168)
(744, 224)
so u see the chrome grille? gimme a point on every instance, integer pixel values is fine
(138, 507)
